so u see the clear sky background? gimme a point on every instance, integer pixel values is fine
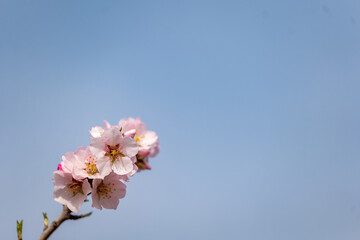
(256, 104)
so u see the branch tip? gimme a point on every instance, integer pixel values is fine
(19, 226)
(46, 220)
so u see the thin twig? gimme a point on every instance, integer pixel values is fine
(65, 215)
(76, 217)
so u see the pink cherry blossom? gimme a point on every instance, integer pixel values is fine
(106, 193)
(85, 165)
(69, 191)
(128, 124)
(114, 152)
(147, 141)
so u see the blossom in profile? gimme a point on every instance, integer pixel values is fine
(142, 161)
(85, 165)
(143, 164)
(107, 192)
(114, 152)
(69, 191)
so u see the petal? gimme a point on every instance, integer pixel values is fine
(135, 170)
(59, 196)
(155, 150)
(143, 153)
(61, 179)
(104, 166)
(140, 126)
(86, 187)
(96, 132)
(111, 203)
(150, 138)
(97, 147)
(123, 166)
(75, 203)
(94, 194)
(79, 169)
(80, 151)
(127, 124)
(67, 163)
(106, 124)
(130, 147)
(119, 190)
(112, 136)
(112, 177)
(131, 133)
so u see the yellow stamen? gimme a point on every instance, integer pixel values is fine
(138, 138)
(105, 191)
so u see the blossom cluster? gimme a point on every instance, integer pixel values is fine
(116, 152)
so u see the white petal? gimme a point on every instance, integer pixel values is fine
(123, 166)
(130, 147)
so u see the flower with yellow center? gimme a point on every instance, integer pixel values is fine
(106, 193)
(69, 191)
(114, 152)
(85, 165)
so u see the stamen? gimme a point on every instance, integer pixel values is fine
(91, 168)
(74, 188)
(138, 138)
(114, 152)
(105, 191)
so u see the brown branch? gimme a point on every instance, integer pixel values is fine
(65, 215)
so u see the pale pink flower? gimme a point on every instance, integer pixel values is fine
(114, 151)
(69, 191)
(97, 131)
(147, 141)
(128, 124)
(85, 165)
(106, 193)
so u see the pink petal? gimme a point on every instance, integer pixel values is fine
(61, 179)
(112, 136)
(131, 133)
(130, 147)
(143, 153)
(150, 138)
(106, 124)
(94, 194)
(104, 166)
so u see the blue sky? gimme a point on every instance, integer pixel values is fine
(256, 104)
